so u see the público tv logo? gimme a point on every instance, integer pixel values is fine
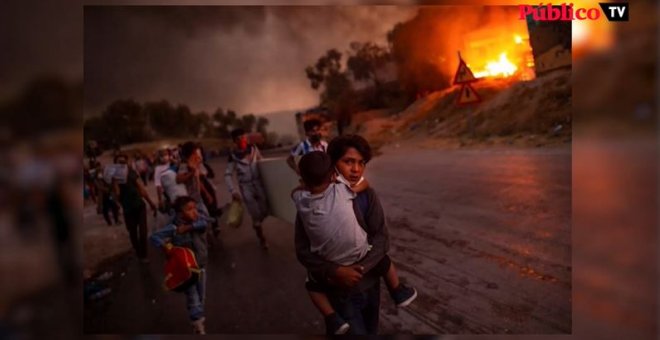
(567, 12)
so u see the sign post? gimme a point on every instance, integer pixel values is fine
(467, 95)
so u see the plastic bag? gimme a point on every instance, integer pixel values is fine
(235, 214)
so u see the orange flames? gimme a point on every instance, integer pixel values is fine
(502, 67)
(499, 53)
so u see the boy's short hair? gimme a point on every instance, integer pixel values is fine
(188, 148)
(235, 133)
(315, 168)
(181, 202)
(310, 124)
(339, 145)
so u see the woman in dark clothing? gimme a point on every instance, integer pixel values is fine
(131, 190)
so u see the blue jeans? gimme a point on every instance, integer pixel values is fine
(195, 296)
(360, 310)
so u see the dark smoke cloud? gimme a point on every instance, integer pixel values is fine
(250, 59)
(191, 21)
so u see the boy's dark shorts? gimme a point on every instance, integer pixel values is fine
(314, 284)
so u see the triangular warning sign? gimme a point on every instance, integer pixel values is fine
(464, 74)
(467, 95)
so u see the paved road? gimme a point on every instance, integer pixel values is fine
(484, 235)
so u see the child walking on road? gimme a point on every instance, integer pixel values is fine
(188, 229)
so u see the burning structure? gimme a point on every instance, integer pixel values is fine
(492, 40)
(523, 50)
(492, 54)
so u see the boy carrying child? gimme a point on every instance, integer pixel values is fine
(325, 206)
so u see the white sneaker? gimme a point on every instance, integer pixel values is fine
(198, 326)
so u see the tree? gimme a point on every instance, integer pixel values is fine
(337, 88)
(183, 118)
(262, 123)
(232, 118)
(126, 121)
(95, 129)
(219, 123)
(247, 122)
(327, 66)
(203, 125)
(365, 62)
(161, 118)
(327, 72)
(224, 122)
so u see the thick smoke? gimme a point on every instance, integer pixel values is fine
(250, 59)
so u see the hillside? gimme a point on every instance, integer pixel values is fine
(535, 112)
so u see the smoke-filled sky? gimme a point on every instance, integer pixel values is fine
(250, 59)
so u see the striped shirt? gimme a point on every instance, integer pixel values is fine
(306, 147)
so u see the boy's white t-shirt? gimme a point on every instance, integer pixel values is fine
(331, 225)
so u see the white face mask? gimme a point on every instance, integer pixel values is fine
(342, 179)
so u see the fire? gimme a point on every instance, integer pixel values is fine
(497, 48)
(518, 39)
(502, 67)
(493, 54)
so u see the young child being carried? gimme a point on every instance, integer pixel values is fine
(325, 205)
